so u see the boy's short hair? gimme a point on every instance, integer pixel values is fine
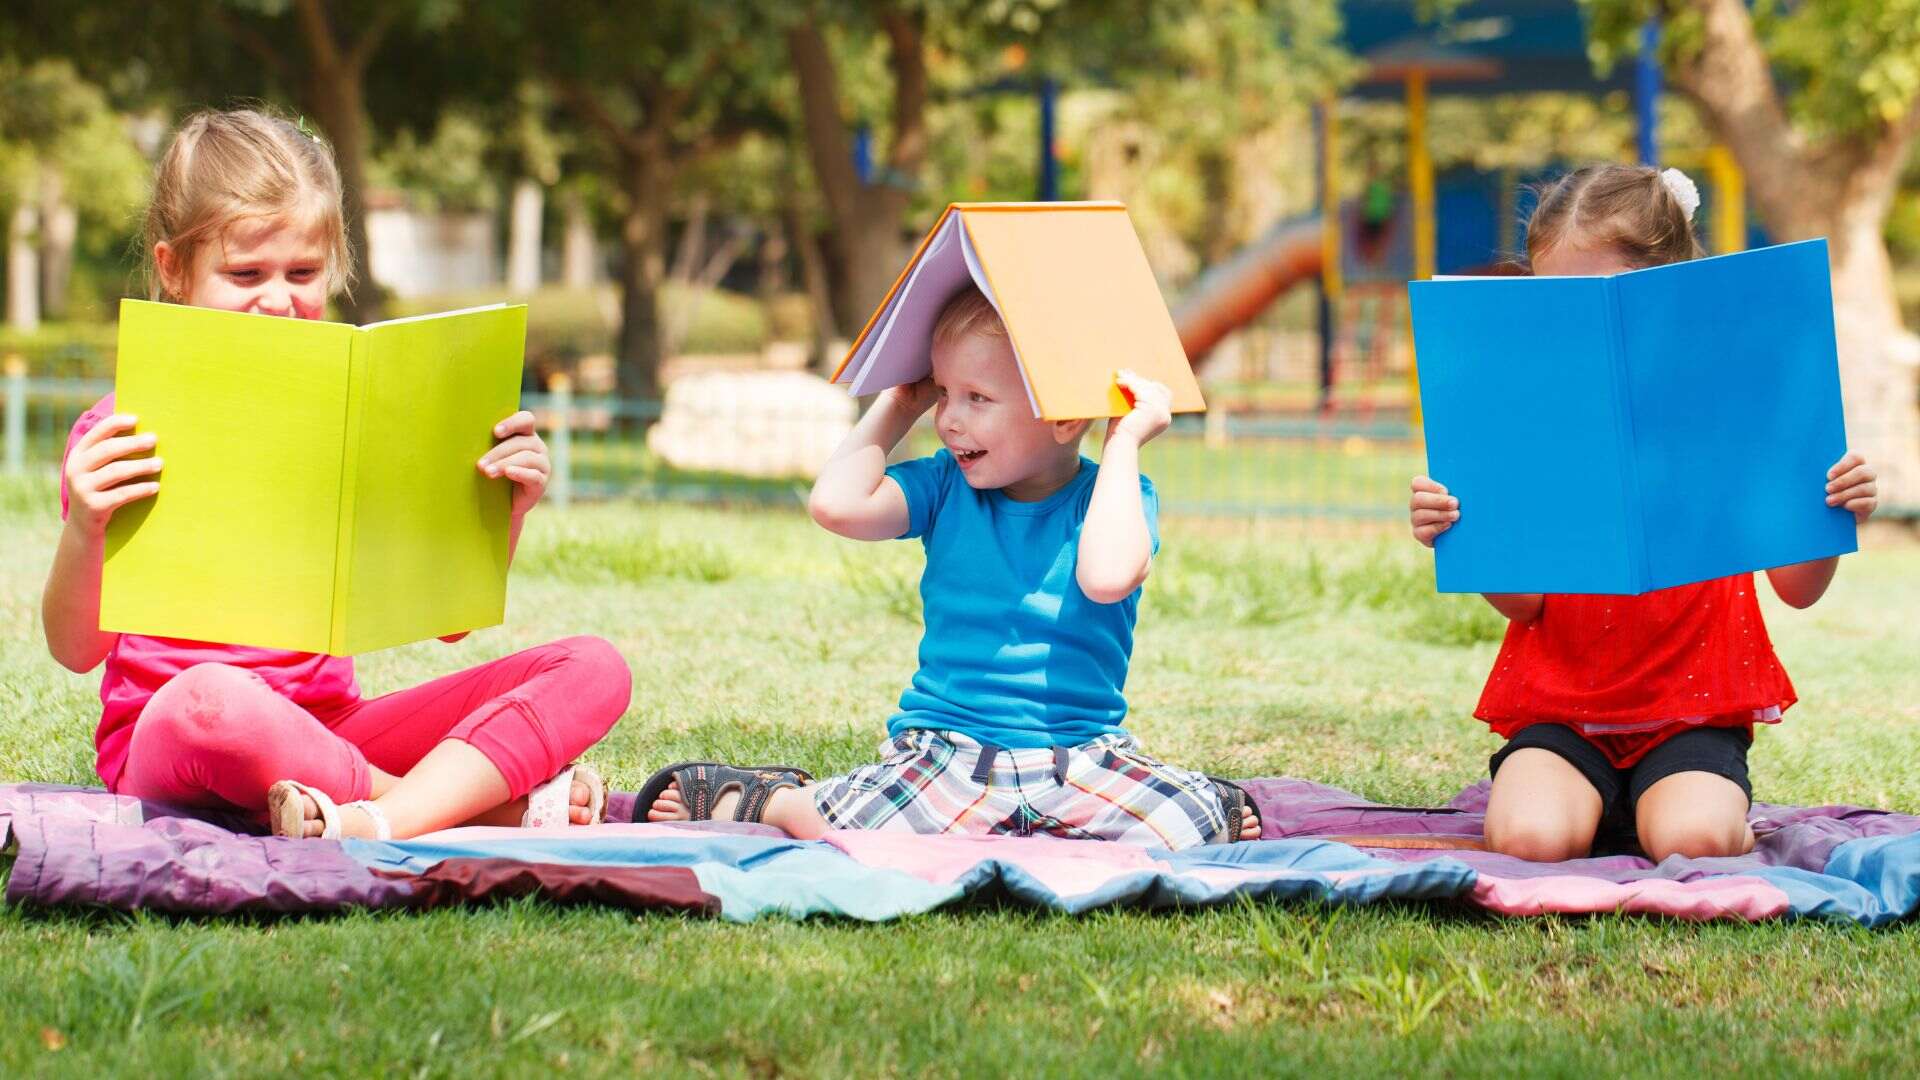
(969, 313)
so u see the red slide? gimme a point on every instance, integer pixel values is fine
(1228, 296)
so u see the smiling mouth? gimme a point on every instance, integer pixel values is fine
(968, 457)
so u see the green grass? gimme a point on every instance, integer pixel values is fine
(1262, 649)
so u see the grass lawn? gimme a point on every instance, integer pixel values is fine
(1263, 649)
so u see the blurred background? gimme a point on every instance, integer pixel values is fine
(703, 201)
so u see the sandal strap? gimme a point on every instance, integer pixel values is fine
(382, 828)
(703, 783)
(1233, 800)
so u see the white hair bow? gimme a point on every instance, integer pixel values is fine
(1683, 190)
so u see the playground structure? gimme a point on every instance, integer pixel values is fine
(1359, 253)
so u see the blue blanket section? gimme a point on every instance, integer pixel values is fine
(1872, 881)
(759, 876)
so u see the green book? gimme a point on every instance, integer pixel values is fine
(320, 491)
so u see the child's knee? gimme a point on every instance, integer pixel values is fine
(1538, 837)
(598, 673)
(1699, 836)
(204, 705)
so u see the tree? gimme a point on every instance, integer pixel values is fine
(653, 96)
(319, 54)
(1819, 101)
(65, 157)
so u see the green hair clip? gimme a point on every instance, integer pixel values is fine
(300, 123)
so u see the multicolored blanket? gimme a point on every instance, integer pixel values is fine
(83, 846)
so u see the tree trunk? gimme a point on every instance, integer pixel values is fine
(1877, 357)
(59, 226)
(867, 216)
(579, 264)
(339, 105)
(643, 269)
(813, 276)
(1841, 189)
(23, 269)
(523, 236)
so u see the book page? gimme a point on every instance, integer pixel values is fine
(900, 349)
(428, 552)
(239, 546)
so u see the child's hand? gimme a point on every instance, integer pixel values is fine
(521, 457)
(99, 475)
(1434, 511)
(1851, 483)
(1151, 413)
(913, 398)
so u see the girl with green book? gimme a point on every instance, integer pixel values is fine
(246, 216)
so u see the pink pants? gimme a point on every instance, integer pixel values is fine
(218, 736)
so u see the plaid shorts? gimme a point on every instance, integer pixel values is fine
(1105, 789)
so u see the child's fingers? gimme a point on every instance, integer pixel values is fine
(118, 472)
(520, 423)
(1424, 483)
(109, 450)
(1426, 533)
(526, 477)
(1854, 477)
(107, 428)
(1857, 491)
(508, 449)
(1847, 462)
(115, 498)
(1432, 500)
(536, 460)
(1862, 507)
(1435, 517)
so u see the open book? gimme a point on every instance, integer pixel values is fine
(1635, 432)
(320, 490)
(1073, 286)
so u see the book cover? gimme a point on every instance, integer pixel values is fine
(1072, 284)
(320, 491)
(1623, 434)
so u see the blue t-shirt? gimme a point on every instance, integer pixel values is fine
(1014, 654)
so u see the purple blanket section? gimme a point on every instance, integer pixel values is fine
(84, 846)
(1796, 836)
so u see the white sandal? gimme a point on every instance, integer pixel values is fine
(289, 817)
(551, 803)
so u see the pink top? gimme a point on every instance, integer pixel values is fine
(137, 666)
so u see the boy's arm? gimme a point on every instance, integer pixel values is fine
(853, 496)
(1116, 550)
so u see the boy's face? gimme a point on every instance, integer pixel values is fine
(984, 418)
(265, 267)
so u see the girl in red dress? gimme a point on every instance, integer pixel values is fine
(1632, 712)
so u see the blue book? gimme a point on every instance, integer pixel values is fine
(1634, 432)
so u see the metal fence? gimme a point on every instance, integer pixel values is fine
(603, 447)
(1309, 469)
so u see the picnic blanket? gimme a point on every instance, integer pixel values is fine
(83, 846)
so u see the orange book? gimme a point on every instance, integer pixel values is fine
(1073, 286)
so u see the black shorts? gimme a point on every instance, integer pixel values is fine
(1720, 751)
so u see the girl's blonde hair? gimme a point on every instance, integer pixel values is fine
(233, 165)
(1628, 208)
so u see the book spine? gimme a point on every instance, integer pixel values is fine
(359, 374)
(1629, 456)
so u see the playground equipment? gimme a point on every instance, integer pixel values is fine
(1361, 252)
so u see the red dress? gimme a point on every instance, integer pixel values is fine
(1630, 672)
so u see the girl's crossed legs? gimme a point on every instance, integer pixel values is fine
(462, 749)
